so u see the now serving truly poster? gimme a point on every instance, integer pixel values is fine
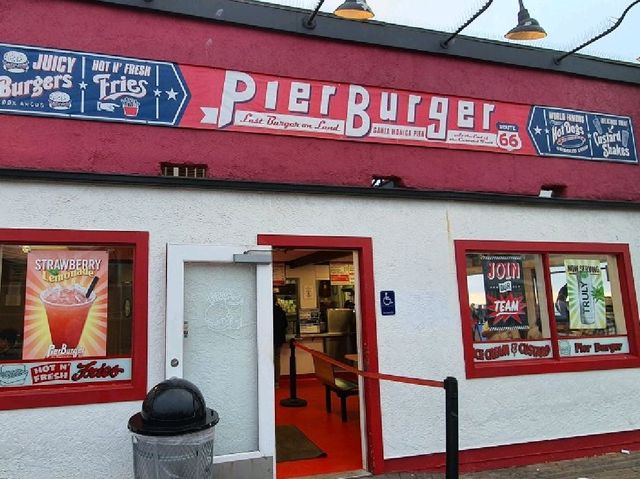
(585, 291)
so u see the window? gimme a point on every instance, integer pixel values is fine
(546, 307)
(73, 317)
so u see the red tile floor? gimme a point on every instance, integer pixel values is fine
(341, 441)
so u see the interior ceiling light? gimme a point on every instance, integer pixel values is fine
(527, 29)
(351, 10)
(354, 10)
(558, 59)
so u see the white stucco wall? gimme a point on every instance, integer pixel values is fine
(413, 255)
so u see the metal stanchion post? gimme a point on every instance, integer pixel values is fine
(293, 400)
(451, 423)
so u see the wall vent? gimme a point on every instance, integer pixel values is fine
(553, 191)
(182, 170)
(386, 182)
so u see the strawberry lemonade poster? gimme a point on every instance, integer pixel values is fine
(66, 304)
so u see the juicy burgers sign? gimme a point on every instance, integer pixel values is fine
(59, 83)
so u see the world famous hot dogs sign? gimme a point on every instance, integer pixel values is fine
(38, 81)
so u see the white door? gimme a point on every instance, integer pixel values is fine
(219, 336)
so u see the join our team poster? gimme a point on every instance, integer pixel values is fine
(504, 290)
(66, 304)
(91, 86)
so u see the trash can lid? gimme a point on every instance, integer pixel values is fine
(173, 407)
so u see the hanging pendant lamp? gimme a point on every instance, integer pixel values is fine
(354, 10)
(527, 29)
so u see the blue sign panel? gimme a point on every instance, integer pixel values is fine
(40, 81)
(388, 303)
(579, 134)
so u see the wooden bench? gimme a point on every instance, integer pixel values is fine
(325, 373)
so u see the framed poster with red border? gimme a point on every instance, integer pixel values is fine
(77, 310)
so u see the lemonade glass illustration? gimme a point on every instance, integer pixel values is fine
(67, 310)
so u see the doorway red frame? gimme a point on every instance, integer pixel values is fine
(364, 247)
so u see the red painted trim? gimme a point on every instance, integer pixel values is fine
(629, 300)
(512, 455)
(140, 314)
(551, 366)
(85, 358)
(364, 248)
(65, 395)
(541, 247)
(557, 364)
(489, 341)
(370, 359)
(551, 313)
(465, 314)
(619, 336)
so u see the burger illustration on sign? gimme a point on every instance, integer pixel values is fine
(59, 100)
(15, 62)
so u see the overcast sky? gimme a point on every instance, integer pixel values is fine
(568, 23)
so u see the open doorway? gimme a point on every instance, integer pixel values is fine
(322, 285)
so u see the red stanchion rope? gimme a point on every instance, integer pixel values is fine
(368, 374)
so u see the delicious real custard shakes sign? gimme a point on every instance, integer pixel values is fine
(66, 304)
(38, 81)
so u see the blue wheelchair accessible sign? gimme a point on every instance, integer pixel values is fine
(388, 303)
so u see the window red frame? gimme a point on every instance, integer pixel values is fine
(557, 364)
(65, 395)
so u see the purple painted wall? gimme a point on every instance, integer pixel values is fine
(72, 145)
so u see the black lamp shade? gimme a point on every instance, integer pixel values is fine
(527, 29)
(354, 10)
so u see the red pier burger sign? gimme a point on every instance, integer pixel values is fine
(90, 86)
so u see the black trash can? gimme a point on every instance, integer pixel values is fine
(173, 434)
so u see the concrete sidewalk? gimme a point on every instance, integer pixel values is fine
(610, 466)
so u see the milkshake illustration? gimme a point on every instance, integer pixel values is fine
(67, 309)
(625, 138)
(598, 125)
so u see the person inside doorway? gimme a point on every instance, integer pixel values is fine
(279, 337)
